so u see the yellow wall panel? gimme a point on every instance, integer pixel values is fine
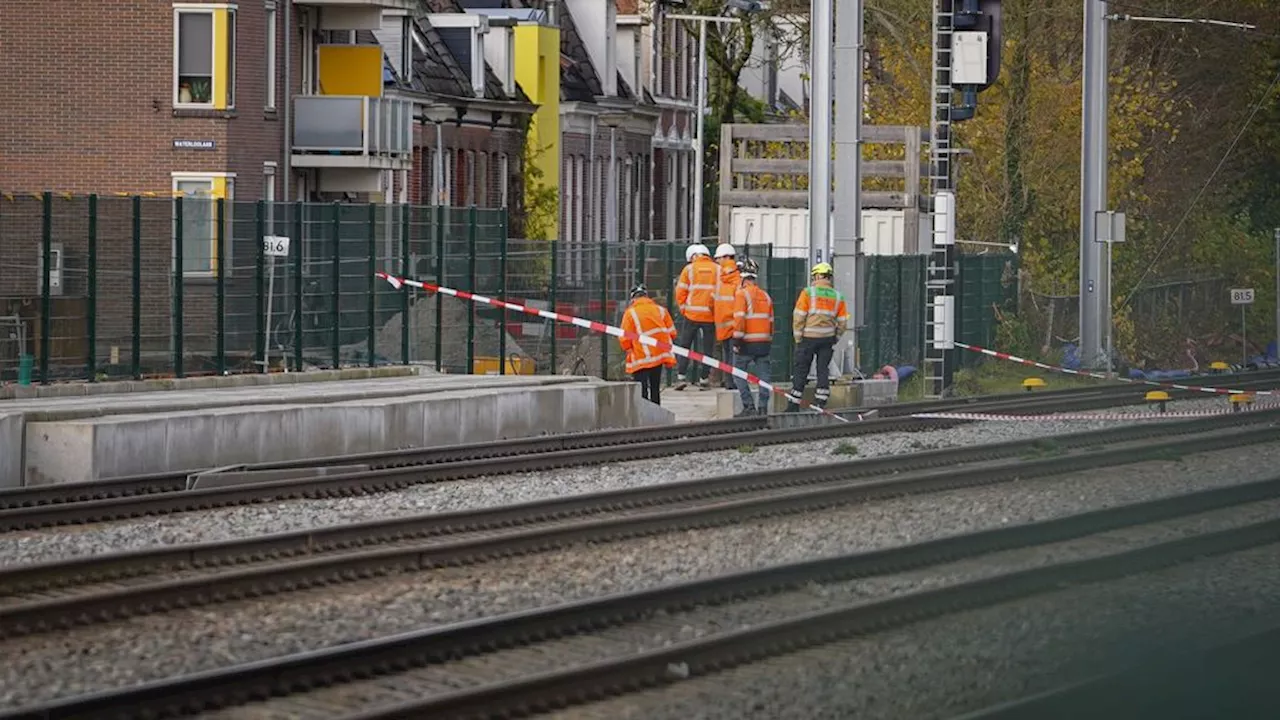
(218, 92)
(537, 66)
(350, 70)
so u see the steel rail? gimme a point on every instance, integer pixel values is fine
(560, 688)
(178, 481)
(347, 483)
(297, 673)
(702, 503)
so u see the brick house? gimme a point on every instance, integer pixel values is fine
(193, 99)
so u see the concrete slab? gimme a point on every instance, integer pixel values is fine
(89, 448)
(11, 435)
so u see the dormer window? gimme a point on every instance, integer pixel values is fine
(464, 35)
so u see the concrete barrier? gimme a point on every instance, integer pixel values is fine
(87, 449)
(11, 431)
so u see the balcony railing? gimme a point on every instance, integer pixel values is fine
(353, 126)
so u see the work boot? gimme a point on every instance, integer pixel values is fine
(792, 407)
(762, 411)
(680, 385)
(704, 384)
(748, 411)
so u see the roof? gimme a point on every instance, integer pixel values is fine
(492, 83)
(578, 79)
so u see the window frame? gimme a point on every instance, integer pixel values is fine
(273, 31)
(222, 74)
(227, 192)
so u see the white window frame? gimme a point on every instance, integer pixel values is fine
(211, 179)
(273, 32)
(180, 9)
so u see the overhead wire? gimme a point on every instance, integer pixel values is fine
(1168, 238)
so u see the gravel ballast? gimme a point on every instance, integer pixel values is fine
(267, 518)
(677, 627)
(72, 662)
(960, 663)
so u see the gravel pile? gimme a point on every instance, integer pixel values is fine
(677, 627)
(246, 521)
(961, 663)
(141, 649)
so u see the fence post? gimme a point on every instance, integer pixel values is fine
(91, 293)
(298, 313)
(471, 287)
(219, 251)
(178, 264)
(604, 308)
(405, 227)
(260, 292)
(555, 326)
(502, 293)
(440, 280)
(337, 286)
(371, 316)
(46, 275)
(136, 360)
(670, 287)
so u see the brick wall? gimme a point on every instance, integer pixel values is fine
(89, 109)
(474, 162)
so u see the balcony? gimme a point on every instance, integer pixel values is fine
(356, 14)
(352, 132)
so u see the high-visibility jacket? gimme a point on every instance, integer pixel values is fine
(820, 313)
(726, 291)
(752, 315)
(648, 318)
(695, 292)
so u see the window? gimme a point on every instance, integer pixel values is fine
(204, 40)
(199, 237)
(270, 102)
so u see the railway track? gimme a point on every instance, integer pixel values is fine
(342, 476)
(41, 597)
(532, 661)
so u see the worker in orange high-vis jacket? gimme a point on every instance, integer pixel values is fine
(695, 296)
(645, 362)
(726, 291)
(819, 319)
(752, 336)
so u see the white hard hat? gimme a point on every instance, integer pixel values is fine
(725, 250)
(695, 250)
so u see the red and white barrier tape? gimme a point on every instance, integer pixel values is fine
(594, 326)
(1102, 376)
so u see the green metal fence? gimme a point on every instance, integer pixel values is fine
(894, 331)
(128, 287)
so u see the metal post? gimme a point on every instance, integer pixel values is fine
(178, 262)
(471, 287)
(604, 309)
(337, 285)
(91, 291)
(370, 314)
(698, 124)
(1094, 283)
(502, 293)
(847, 214)
(1111, 321)
(437, 168)
(1244, 339)
(136, 360)
(46, 279)
(405, 326)
(1277, 231)
(820, 129)
(298, 312)
(551, 300)
(440, 280)
(260, 283)
(220, 241)
(611, 200)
